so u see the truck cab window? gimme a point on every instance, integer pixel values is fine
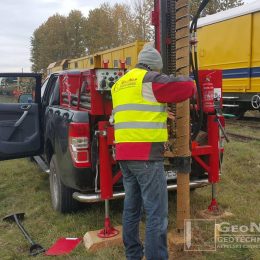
(12, 88)
(44, 85)
(55, 96)
(48, 91)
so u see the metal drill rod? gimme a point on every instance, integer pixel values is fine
(107, 208)
(213, 191)
(35, 249)
(26, 235)
(183, 111)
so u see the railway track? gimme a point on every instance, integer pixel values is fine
(241, 137)
(246, 123)
(250, 122)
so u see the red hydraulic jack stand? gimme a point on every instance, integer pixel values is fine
(105, 133)
(213, 139)
(213, 207)
(212, 150)
(108, 230)
(214, 129)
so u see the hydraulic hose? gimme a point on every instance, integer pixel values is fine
(195, 67)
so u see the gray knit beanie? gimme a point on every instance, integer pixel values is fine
(151, 57)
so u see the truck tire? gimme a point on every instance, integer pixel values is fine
(61, 195)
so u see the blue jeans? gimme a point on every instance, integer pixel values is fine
(145, 183)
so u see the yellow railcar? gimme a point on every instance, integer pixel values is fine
(123, 56)
(57, 66)
(230, 41)
(82, 63)
(126, 54)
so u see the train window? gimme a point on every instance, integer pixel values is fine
(115, 63)
(128, 61)
(65, 65)
(76, 64)
(91, 60)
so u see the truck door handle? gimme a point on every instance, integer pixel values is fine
(21, 119)
(26, 107)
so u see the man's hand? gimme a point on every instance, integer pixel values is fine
(170, 114)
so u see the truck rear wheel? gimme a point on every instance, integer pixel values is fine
(61, 195)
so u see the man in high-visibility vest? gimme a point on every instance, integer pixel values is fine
(140, 115)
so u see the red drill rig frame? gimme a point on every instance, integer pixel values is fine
(209, 99)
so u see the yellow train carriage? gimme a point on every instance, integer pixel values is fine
(57, 66)
(125, 55)
(82, 63)
(230, 41)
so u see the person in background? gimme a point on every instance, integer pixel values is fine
(140, 123)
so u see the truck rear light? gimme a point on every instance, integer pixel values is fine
(79, 150)
(79, 144)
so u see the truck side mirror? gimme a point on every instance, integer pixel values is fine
(25, 98)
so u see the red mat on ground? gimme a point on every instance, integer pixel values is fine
(63, 246)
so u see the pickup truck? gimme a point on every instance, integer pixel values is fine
(58, 127)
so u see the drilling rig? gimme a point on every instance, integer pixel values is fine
(195, 142)
(175, 39)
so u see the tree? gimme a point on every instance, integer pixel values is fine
(227, 4)
(35, 51)
(49, 43)
(142, 19)
(58, 38)
(214, 6)
(101, 29)
(124, 21)
(76, 34)
(111, 26)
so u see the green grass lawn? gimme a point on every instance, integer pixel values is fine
(24, 188)
(8, 99)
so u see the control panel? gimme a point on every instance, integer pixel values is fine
(106, 78)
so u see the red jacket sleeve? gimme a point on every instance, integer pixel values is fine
(175, 90)
(168, 89)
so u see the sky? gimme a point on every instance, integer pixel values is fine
(19, 19)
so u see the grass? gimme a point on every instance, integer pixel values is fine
(8, 99)
(24, 188)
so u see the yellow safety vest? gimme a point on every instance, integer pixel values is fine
(137, 119)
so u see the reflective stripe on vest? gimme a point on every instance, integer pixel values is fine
(137, 119)
(139, 107)
(142, 125)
